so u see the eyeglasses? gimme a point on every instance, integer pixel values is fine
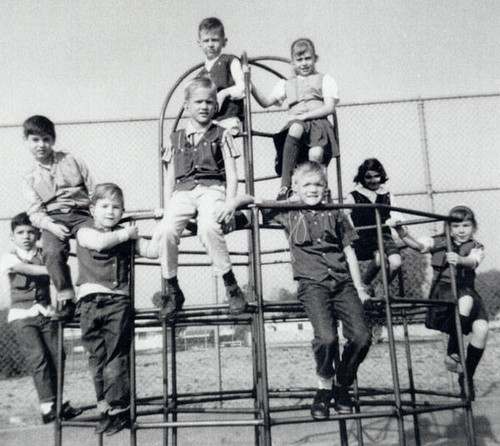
(371, 177)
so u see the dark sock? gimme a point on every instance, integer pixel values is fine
(452, 344)
(229, 278)
(290, 155)
(473, 357)
(466, 324)
(172, 283)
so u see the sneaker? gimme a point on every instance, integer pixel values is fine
(103, 423)
(320, 408)
(342, 400)
(170, 304)
(452, 363)
(67, 312)
(236, 299)
(283, 193)
(69, 412)
(118, 422)
(461, 383)
(49, 416)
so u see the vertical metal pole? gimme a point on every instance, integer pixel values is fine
(173, 356)
(164, 356)
(133, 383)
(390, 332)
(255, 285)
(469, 419)
(261, 340)
(217, 340)
(425, 156)
(416, 426)
(59, 381)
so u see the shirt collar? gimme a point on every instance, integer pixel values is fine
(190, 130)
(381, 190)
(26, 255)
(210, 63)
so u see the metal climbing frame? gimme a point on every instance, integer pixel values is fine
(260, 414)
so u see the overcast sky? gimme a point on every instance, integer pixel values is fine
(79, 60)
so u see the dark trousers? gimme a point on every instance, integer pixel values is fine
(56, 252)
(37, 337)
(105, 320)
(324, 303)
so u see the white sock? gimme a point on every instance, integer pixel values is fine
(103, 406)
(325, 383)
(46, 407)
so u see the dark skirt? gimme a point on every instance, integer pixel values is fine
(317, 133)
(365, 247)
(442, 318)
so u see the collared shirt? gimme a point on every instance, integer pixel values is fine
(64, 185)
(317, 240)
(228, 147)
(7, 262)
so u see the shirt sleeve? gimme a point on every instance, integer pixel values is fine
(34, 205)
(279, 92)
(229, 148)
(347, 232)
(477, 254)
(330, 87)
(6, 263)
(89, 179)
(167, 155)
(349, 200)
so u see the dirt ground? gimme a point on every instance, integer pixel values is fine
(289, 367)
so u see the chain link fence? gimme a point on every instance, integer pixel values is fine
(437, 152)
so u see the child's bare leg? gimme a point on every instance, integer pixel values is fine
(316, 154)
(394, 265)
(290, 153)
(465, 304)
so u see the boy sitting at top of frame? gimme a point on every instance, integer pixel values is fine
(31, 313)
(58, 193)
(330, 286)
(225, 72)
(201, 181)
(106, 314)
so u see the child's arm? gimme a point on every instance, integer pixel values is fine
(99, 241)
(28, 269)
(352, 261)
(263, 100)
(236, 91)
(226, 212)
(470, 261)
(169, 180)
(423, 245)
(88, 178)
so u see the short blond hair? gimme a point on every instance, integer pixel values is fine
(309, 167)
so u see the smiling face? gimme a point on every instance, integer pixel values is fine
(462, 231)
(107, 212)
(211, 42)
(41, 147)
(201, 105)
(310, 188)
(25, 237)
(303, 63)
(372, 180)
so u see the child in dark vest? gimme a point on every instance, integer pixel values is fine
(330, 288)
(201, 181)
(57, 191)
(27, 294)
(466, 255)
(106, 314)
(225, 72)
(311, 98)
(371, 178)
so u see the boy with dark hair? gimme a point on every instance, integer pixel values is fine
(201, 181)
(30, 314)
(57, 191)
(330, 286)
(104, 255)
(225, 72)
